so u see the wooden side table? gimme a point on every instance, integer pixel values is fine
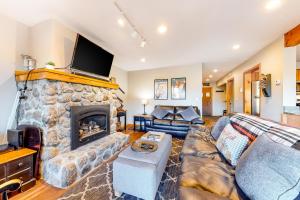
(18, 164)
(142, 119)
(122, 114)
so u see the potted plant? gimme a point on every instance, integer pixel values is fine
(50, 65)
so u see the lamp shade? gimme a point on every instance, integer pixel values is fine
(144, 101)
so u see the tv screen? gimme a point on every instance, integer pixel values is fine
(89, 57)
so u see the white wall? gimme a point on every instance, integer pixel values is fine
(14, 42)
(141, 86)
(218, 102)
(289, 77)
(271, 59)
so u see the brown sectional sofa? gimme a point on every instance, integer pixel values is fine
(205, 174)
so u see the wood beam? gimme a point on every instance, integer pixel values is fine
(292, 38)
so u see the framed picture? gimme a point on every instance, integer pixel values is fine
(178, 88)
(161, 89)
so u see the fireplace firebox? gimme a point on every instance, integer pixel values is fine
(89, 123)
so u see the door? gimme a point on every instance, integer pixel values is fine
(229, 96)
(207, 101)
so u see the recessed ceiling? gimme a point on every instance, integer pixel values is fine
(197, 31)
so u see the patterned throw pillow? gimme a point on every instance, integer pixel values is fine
(219, 126)
(189, 114)
(159, 113)
(231, 144)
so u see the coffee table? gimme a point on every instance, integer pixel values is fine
(139, 173)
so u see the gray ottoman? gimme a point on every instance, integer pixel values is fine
(139, 174)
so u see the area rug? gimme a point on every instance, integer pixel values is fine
(97, 185)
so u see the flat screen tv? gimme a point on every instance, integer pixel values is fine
(90, 58)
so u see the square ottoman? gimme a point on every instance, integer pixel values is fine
(138, 173)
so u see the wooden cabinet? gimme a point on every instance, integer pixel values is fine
(18, 164)
(298, 75)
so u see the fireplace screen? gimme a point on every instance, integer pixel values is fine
(89, 123)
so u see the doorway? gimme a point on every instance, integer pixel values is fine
(252, 94)
(229, 95)
(207, 101)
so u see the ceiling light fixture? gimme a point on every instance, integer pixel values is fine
(125, 20)
(210, 76)
(143, 60)
(215, 70)
(121, 22)
(143, 44)
(236, 47)
(273, 4)
(162, 29)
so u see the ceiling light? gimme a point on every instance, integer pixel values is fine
(210, 76)
(121, 22)
(207, 79)
(143, 60)
(215, 70)
(273, 4)
(143, 44)
(236, 47)
(162, 29)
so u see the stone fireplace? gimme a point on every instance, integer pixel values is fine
(89, 123)
(78, 122)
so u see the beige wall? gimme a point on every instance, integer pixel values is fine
(14, 42)
(271, 59)
(289, 77)
(141, 86)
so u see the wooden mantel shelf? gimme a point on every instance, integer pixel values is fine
(56, 75)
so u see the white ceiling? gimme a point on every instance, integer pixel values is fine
(198, 31)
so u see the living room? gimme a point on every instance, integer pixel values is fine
(149, 100)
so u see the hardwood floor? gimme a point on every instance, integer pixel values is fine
(44, 191)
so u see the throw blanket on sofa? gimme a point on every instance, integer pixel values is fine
(252, 127)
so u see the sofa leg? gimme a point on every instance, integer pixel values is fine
(118, 194)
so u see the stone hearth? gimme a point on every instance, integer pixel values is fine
(48, 107)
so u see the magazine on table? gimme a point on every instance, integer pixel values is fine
(153, 136)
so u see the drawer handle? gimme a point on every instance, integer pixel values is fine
(20, 164)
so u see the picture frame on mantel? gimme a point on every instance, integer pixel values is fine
(161, 89)
(178, 88)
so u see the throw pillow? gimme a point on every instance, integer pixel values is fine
(189, 114)
(219, 126)
(231, 144)
(159, 113)
(269, 170)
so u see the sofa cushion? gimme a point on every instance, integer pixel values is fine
(189, 193)
(159, 113)
(189, 114)
(162, 122)
(268, 170)
(178, 117)
(219, 126)
(231, 144)
(209, 175)
(180, 123)
(169, 116)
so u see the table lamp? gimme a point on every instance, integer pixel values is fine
(144, 102)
